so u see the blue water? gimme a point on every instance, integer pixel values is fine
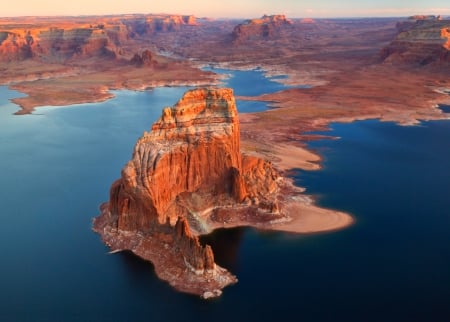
(445, 108)
(392, 265)
(250, 83)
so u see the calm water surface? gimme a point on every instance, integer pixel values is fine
(250, 83)
(392, 265)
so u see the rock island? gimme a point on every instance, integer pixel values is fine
(187, 177)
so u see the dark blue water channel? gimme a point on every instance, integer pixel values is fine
(392, 265)
(251, 83)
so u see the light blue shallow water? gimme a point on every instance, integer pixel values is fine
(392, 265)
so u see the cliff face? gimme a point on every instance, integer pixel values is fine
(83, 37)
(56, 44)
(186, 177)
(193, 147)
(266, 27)
(421, 40)
(152, 24)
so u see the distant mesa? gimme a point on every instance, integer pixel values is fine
(307, 21)
(151, 24)
(421, 41)
(267, 27)
(425, 17)
(58, 41)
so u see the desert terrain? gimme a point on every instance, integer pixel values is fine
(357, 68)
(339, 70)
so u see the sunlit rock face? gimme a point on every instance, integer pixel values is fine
(267, 27)
(56, 41)
(193, 147)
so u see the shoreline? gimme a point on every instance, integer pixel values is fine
(300, 216)
(279, 135)
(79, 84)
(27, 105)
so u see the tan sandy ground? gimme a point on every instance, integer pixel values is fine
(304, 218)
(308, 218)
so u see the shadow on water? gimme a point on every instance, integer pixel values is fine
(225, 244)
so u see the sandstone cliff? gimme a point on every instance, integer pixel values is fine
(267, 27)
(186, 177)
(56, 44)
(422, 40)
(82, 37)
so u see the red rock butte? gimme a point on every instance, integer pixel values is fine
(189, 163)
(188, 177)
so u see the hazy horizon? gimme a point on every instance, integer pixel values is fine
(231, 8)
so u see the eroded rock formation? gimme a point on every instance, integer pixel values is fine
(186, 177)
(266, 27)
(143, 59)
(422, 40)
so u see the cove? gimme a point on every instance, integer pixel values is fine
(250, 83)
(392, 265)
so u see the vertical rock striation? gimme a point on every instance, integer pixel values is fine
(193, 147)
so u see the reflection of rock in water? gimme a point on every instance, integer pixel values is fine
(225, 244)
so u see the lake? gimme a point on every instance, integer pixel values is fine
(392, 265)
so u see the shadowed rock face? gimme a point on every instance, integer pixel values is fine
(422, 40)
(266, 27)
(144, 59)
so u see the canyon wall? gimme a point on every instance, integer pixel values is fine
(422, 40)
(57, 41)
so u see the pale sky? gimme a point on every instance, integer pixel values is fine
(229, 8)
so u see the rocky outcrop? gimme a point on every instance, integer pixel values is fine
(186, 177)
(144, 59)
(197, 258)
(422, 40)
(16, 47)
(193, 147)
(267, 27)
